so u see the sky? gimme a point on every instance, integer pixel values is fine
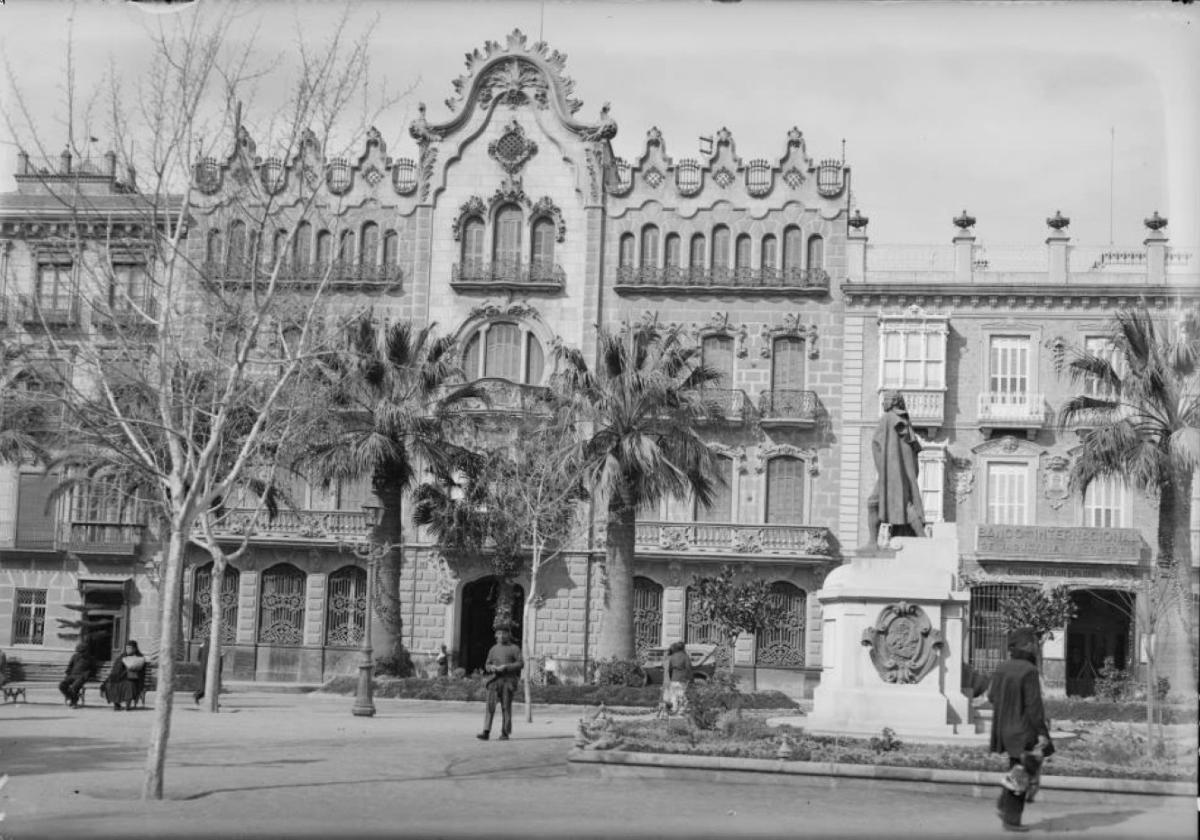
(1011, 111)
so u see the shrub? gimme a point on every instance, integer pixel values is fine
(708, 699)
(618, 672)
(887, 741)
(1113, 683)
(1162, 688)
(1090, 709)
(398, 664)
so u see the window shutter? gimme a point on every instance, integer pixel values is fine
(785, 491)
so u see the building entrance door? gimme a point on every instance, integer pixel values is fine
(478, 617)
(104, 618)
(1101, 629)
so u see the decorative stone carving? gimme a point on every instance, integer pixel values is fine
(675, 538)
(736, 453)
(513, 82)
(494, 310)
(903, 645)
(793, 177)
(446, 578)
(723, 177)
(509, 191)
(1056, 471)
(791, 326)
(747, 540)
(512, 150)
(774, 450)
(545, 206)
(427, 162)
(473, 206)
(653, 177)
(1009, 445)
(606, 129)
(421, 131)
(962, 478)
(675, 573)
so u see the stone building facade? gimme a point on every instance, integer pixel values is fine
(513, 226)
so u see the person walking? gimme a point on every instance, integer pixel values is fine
(79, 670)
(677, 676)
(127, 680)
(443, 662)
(1018, 726)
(504, 664)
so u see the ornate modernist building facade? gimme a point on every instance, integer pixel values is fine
(514, 226)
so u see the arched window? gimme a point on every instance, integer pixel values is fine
(504, 350)
(696, 257)
(370, 244)
(785, 491)
(782, 646)
(625, 253)
(721, 509)
(324, 247)
(281, 606)
(647, 615)
(506, 248)
(720, 251)
(671, 256)
(346, 607)
(816, 252)
(391, 247)
(346, 248)
(472, 245)
(202, 603)
(277, 246)
(792, 254)
(770, 253)
(741, 253)
(650, 246)
(215, 251)
(237, 245)
(302, 244)
(541, 257)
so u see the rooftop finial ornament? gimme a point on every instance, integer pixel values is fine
(963, 221)
(1058, 221)
(1155, 222)
(858, 221)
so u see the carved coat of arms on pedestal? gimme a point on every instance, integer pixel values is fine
(903, 645)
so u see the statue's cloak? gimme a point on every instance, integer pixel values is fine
(895, 448)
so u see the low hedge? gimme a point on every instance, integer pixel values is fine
(471, 689)
(1091, 709)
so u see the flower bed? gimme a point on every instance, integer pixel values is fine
(472, 688)
(1091, 709)
(1109, 750)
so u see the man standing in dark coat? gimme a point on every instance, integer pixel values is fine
(1018, 725)
(504, 664)
(79, 669)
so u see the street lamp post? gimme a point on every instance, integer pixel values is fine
(364, 701)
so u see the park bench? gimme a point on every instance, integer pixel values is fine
(22, 675)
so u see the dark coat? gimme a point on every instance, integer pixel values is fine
(1018, 717)
(81, 665)
(679, 667)
(504, 662)
(122, 685)
(895, 447)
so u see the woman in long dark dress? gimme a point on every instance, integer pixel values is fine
(127, 678)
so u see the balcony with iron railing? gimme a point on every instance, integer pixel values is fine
(532, 276)
(708, 538)
(1012, 410)
(786, 408)
(310, 527)
(338, 274)
(60, 312)
(111, 538)
(728, 403)
(785, 281)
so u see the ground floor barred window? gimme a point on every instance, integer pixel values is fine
(202, 603)
(29, 618)
(281, 606)
(647, 614)
(346, 607)
(782, 646)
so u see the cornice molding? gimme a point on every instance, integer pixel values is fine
(959, 297)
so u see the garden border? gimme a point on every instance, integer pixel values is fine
(873, 772)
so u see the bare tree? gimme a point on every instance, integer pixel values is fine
(201, 340)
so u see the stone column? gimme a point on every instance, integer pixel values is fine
(1056, 244)
(314, 609)
(964, 248)
(1156, 250)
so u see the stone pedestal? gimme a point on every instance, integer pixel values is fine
(892, 642)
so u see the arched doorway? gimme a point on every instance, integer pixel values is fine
(1101, 628)
(477, 623)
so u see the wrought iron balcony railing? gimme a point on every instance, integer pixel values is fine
(674, 278)
(299, 526)
(1007, 410)
(700, 538)
(61, 312)
(336, 274)
(729, 402)
(536, 274)
(786, 407)
(119, 538)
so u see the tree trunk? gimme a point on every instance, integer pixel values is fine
(160, 732)
(1177, 641)
(529, 631)
(390, 531)
(616, 629)
(216, 626)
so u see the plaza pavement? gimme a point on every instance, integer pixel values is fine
(289, 765)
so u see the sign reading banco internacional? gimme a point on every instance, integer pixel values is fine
(1043, 542)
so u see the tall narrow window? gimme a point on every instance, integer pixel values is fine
(787, 364)
(721, 509)
(502, 352)
(346, 607)
(391, 247)
(541, 263)
(236, 258)
(324, 248)
(816, 252)
(717, 352)
(214, 252)
(792, 249)
(1102, 347)
(281, 606)
(506, 249)
(130, 287)
(473, 249)
(696, 257)
(29, 617)
(1007, 493)
(647, 614)
(346, 248)
(370, 244)
(700, 629)
(202, 603)
(785, 491)
(650, 246)
(770, 252)
(720, 252)
(1104, 503)
(932, 478)
(302, 244)
(472, 357)
(782, 646)
(625, 253)
(671, 255)
(741, 253)
(534, 361)
(37, 516)
(1008, 376)
(278, 244)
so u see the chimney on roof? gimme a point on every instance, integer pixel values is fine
(964, 248)
(131, 182)
(64, 161)
(1156, 249)
(110, 158)
(22, 162)
(1056, 244)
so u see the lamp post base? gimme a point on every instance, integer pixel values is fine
(364, 702)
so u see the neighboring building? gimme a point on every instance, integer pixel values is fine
(514, 226)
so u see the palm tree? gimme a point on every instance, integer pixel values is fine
(383, 406)
(641, 407)
(1144, 413)
(22, 415)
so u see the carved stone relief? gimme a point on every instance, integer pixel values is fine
(902, 643)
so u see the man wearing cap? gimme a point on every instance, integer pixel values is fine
(504, 665)
(1018, 725)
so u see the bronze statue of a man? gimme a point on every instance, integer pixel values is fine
(896, 498)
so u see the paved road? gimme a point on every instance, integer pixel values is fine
(302, 766)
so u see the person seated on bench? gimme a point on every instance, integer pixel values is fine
(127, 679)
(3, 669)
(79, 669)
